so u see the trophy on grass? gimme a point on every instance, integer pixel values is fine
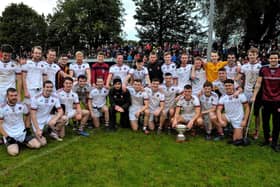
(180, 128)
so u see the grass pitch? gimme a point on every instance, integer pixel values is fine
(125, 158)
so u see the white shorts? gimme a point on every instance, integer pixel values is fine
(43, 122)
(187, 117)
(19, 137)
(71, 114)
(97, 112)
(132, 111)
(236, 123)
(248, 95)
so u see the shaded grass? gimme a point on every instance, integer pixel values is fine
(126, 158)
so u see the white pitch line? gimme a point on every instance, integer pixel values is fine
(22, 163)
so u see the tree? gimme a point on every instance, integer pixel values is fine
(22, 26)
(257, 21)
(85, 23)
(162, 21)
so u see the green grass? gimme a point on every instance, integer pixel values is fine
(126, 158)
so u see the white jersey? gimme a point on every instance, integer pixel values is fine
(169, 68)
(79, 69)
(44, 105)
(208, 102)
(219, 85)
(251, 72)
(231, 71)
(188, 106)
(68, 99)
(51, 70)
(183, 75)
(98, 97)
(200, 79)
(120, 71)
(233, 106)
(35, 72)
(170, 95)
(8, 73)
(139, 74)
(155, 99)
(137, 98)
(12, 118)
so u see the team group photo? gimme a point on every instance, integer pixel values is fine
(85, 107)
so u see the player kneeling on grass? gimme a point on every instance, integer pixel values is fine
(70, 100)
(187, 110)
(156, 105)
(209, 101)
(12, 126)
(41, 109)
(139, 105)
(97, 103)
(234, 112)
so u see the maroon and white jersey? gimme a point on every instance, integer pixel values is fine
(137, 98)
(139, 74)
(197, 84)
(233, 106)
(188, 106)
(98, 97)
(155, 98)
(34, 74)
(51, 71)
(231, 71)
(251, 72)
(8, 73)
(170, 95)
(44, 105)
(12, 117)
(119, 71)
(169, 68)
(208, 102)
(79, 69)
(183, 75)
(69, 99)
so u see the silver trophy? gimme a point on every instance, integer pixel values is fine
(180, 128)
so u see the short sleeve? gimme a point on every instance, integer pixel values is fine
(34, 105)
(76, 99)
(57, 103)
(196, 102)
(25, 109)
(1, 114)
(243, 98)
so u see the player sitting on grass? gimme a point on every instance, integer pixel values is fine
(234, 112)
(209, 101)
(139, 105)
(187, 109)
(12, 125)
(72, 106)
(41, 107)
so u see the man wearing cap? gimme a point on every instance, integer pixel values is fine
(120, 101)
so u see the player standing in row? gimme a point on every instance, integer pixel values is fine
(183, 73)
(140, 73)
(154, 67)
(80, 67)
(169, 66)
(251, 72)
(41, 107)
(198, 76)
(12, 124)
(97, 103)
(269, 82)
(99, 69)
(52, 69)
(117, 70)
(70, 100)
(10, 73)
(232, 68)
